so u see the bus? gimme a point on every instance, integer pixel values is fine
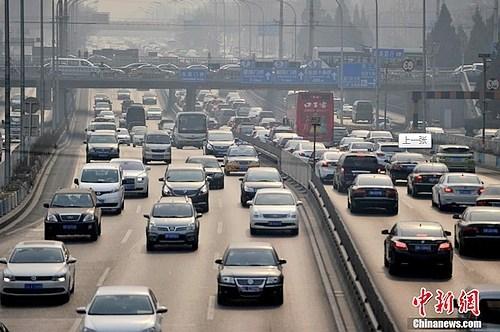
(135, 116)
(303, 107)
(190, 129)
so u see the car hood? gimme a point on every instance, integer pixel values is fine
(134, 173)
(133, 323)
(97, 187)
(250, 271)
(221, 143)
(103, 146)
(157, 146)
(172, 221)
(210, 170)
(259, 185)
(36, 269)
(74, 210)
(284, 209)
(184, 185)
(138, 136)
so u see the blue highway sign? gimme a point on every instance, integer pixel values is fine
(359, 75)
(256, 75)
(288, 75)
(321, 75)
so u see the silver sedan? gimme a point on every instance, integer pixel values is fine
(325, 166)
(456, 189)
(122, 308)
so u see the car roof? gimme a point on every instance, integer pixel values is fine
(218, 131)
(40, 244)
(388, 143)
(101, 166)
(184, 166)
(103, 132)
(419, 224)
(274, 191)
(461, 174)
(447, 146)
(359, 154)
(484, 208)
(74, 191)
(250, 245)
(174, 199)
(262, 169)
(157, 132)
(122, 290)
(374, 176)
(119, 160)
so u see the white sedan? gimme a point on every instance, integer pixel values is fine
(326, 165)
(456, 189)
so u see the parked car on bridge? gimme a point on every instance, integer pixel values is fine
(490, 196)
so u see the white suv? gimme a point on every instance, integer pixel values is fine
(107, 182)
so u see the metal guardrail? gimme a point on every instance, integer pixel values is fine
(476, 144)
(368, 299)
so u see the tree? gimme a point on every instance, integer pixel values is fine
(462, 37)
(479, 41)
(444, 42)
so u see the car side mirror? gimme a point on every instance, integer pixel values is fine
(209, 178)
(240, 179)
(456, 216)
(81, 310)
(447, 233)
(299, 203)
(148, 168)
(161, 179)
(249, 203)
(123, 181)
(46, 205)
(282, 261)
(199, 215)
(3, 260)
(76, 181)
(385, 232)
(71, 260)
(161, 310)
(218, 261)
(84, 142)
(146, 216)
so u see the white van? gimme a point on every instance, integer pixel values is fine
(75, 67)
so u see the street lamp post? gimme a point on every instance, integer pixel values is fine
(263, 24)
(485, 57)
(377, 67)
(341, 62)
(249, 26)
(239, 27)
(294, 28)
(7, 90)
(42, 71)
(22, 138)
(424, 64)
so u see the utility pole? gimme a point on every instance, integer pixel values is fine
(22, 138)
(495, 24)
(42, 71)
(280, 42)
(424, 63)
(386, 71)
(485, 57)
(311, 28)
(224, 26)
(7, 92)
(377, 92)
(341, 62)
(52, 67)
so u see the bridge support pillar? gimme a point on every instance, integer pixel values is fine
(190, 100)
(171, 101)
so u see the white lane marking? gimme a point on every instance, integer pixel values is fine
(220, 225)
(138, 209)
(216, 256)
(103, 277)
(75, 325)
(126, 236)
(211, 308)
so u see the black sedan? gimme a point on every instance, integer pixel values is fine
(490, 196)
(212, 170)
(476, 227)
(372, 190)
(258, 178)
(402, 164)
(250, 271)
(423, 177)
(422, 243)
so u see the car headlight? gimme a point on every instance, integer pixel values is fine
(7, 277)
(256, 215)
(293, 215)
(204, 189)
(210, 146)
(273, 280)
(115, 190)
(140, 179)
(191, 227)
(249, 189)
(227, 280)
(59, 278)
(51, 218)
(166, 190)
(88, 218)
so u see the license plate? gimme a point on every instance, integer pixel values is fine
(495, 203)
(490, 230)
(69, 227)
(33, 286)
(250, 289)
(275, 223)
(423, 248)
(375, 193)
(465, 192)
(244, 168)
(102, 155)
(171, 236)
(433, 180)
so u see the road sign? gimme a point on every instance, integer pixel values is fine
(408, 65)
(492, 84)
(359, 75)
(391, 53)
(280, 64)
(256, 75)
(193, 75)
(288, 75)
(415, 141)
(321, 75)
(31, 104)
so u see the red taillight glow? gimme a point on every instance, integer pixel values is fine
(482, 203)
(480, 191)
(392, 193)
(446, 246)
(418, 178)
(470, 230)
(359, 193)
(448, 190)
(324, 164)
(399, 245)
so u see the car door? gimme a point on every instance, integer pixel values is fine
(71, 267)
(387, 242)
(156, 304)
(437, 188)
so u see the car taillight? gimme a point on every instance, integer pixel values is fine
(324, 164)
(392, 193)
(380, 154)
(418, 178)
(396, 166)
(482, 203)
(480, 191)
(359, 193)
(448, 190)
(342, 170)
(446, 246)
(470, 230)
(399, 245)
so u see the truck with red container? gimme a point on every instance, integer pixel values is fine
(306, 107)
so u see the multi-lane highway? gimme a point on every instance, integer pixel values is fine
(183, 280)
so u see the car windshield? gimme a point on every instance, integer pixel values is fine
(250, 257)
(117, 305)
(362, 146)
(454, 179)
(224, 136)
(266, 176)
(391, 148)
(72, 200)
(206, 162)
(310, 146)
(332, 155)
(423, 231)
(154, 109)
(106, 113)
(380, 134)
(484, 216)
(430, 169)
(37, 255)
(130, 165)
(347, 140)
(241, 151)
(492, 191)
(100, 176)
(360, 133)
(102, 105)
(185, 175)
(172, 210)
(158, 139)
(408, 157)
(457, 150)
(374, 181)
(274, 199)
(489, 311)
(103, 139)
(104, 126)
(139, 130)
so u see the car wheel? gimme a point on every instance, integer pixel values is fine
(433, 203)
(5, 299)
(295, 232)
(133, 145)
(408, 191)
(149, 246)
(206, 208)
(122, 207)
(440, 206)
(72, 290)
(243, 202)
(94, 235)
(353, 208)
(221, 299)
(146, 194)
(194, 245)
(222, 185)
(448, 271)
(414, 192)
(179, 147)
(393, 268)
(462, 248)
(88, 160)
(144, 161)
(386, 262)
(48, 235)
(65, 297)
(99, 227)
(278, 298)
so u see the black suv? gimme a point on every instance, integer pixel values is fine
(351, 165)
(73, 212)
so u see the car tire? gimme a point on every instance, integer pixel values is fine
(149, 246)
(462, 248)
(432, 202)
(122, 207)
(278, 298)
(414, 192)
(133, 145)
(206, 208)
(144, 161)
(227, 173)
(353, 208)
(180, 147)
(222, 185)
(386, 262)
(65, 297)
(99, 227)
(243, 202)
(253, 231)
(393, 268)
(221, 299)
(295, 232)
(440, 206)
(146, 194)
(48, 235)
(88, 160)
(94, 235)
(72, 289)
(447, 271)
(408, 191)
(394, 210)
(194, 245)
(5, 299)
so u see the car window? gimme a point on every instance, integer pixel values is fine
(100, 176)
(374, 181)
(121, 305)
(206, 162)
(172, 210)
(463, 179)
(455, 150)
(408, 157)
(158, 139)
(130, 165)
(241, 151)
(274, 199)
(430, 168)
(420, 231)
(185, 175)
(37, 255)
(483, 216)
(391, 148)
(260, 176)
(72, 200)
(250, 257)
(104, 126)
(102, 139)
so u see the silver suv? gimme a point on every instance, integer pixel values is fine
(173, 220)
(156, 147)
